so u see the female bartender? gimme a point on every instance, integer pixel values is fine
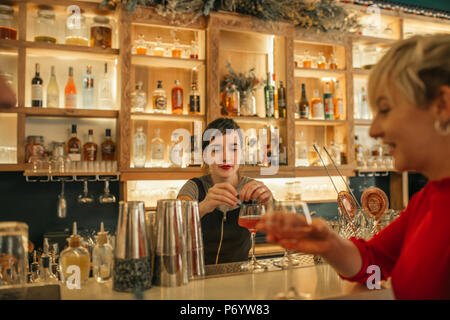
(218, 193)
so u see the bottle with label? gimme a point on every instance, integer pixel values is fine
(194, 99)
(105, 97)
(269, 98)
(90, 148)
(276, 111)
(157, 151)
(108, 147)
(338, 103)
(88, 89)
(328, 102)
(359, 153)
(301, 151)
(70, 92)
(36, 88)
(282, 100)
(139, 148)
(317, 111)
(102, 257)
(159, 99)
(177, 98)
(74, 146)
(140, 45)
(138, 99)
(75, 261)
(304, 104)
(46, 273)
(52, 91)
(363, 105)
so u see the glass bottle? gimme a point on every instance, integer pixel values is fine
(328, 102)
(105, 99)
(157, 151)
(88, 89)
(276, 111)
(139, 148)
(306, 63)
(46, 273)
(102, 257)
(101, 32)
(90, 148)
(74, 258)
(338, 103)
(36, 89)
(176, 49)
(45, 27)
(363, 105)
(269, 98)
(194, 50)
(177, 98)
(321, 61)
(317, 106)
(176, 155)
(333, 62)
(108, 147)
(282, 100)
(336, 153)
(70, 91)
(304, 104)
(74, 146)
(138, 99)
(194, 99)
(141, 45)
(233, 101)
(158, 50)
(356, 56)
(8, 28)
(52, 91)
(301, 151)
(359, 153)
(36, 277)
(76, 30)
(159, 99)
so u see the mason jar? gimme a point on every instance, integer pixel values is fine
(76, 31)
(8, 28)
(101, 32)
(45, 27)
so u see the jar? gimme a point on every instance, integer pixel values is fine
(101, 33)
(34, 147)
(45, 27)
(77, 31)
(7, 25)
(248, 104)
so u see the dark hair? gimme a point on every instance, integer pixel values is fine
(221, 124)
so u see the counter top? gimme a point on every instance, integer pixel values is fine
(311, 282)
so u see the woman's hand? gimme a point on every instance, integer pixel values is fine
(255, 190)
(219, 194)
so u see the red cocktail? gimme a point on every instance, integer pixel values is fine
(249, 222)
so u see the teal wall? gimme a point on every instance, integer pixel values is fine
(433, 4)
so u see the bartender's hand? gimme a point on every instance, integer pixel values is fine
(219, 194)
(256, 190)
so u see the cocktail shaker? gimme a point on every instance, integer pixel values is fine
(171, 252)
(194, 240)
(133, 257)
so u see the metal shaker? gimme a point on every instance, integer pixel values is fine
(133, 259)
(171, 252)
(194, 240)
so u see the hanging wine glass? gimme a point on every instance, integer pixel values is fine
(85, 198)
(106, 197)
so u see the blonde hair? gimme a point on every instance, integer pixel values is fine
(417, 66)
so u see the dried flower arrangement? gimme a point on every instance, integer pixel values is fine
(245, 83)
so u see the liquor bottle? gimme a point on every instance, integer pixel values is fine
(35, 269)
(102, 257)
(328, 102)
(333, 62)
(138, 99)
(90, 148)
(306, 60)
(159, 99)
(158, 50)
(321, 61)
(70, 92)
(359, 153)
(157, 150)
(301, 151)
(176, 154)
(139, 148)
(304, 104)
(108, 147)
(338, 104)
(233, 101)
(194, 99)
(317, 111)
(52, 91)
(269, 98)
(88, 89)
(282, 100)
(363, 106)
(75, 255)
(176, 50)
(36, 88)
(276, 111)
(105, 99)
(194, 50)
(74, 146)
(335, 153)
(46, 273)
(177, 98)
(140, 45)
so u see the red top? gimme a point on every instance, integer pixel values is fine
(414, 250)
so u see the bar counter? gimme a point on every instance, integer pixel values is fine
(300, 283)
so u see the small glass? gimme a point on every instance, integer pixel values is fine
(8, 28)
(45, 27)
(101, 32)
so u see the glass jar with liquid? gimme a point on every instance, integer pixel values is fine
(45, 27)
(8, 28)
(101, 32)
(77, 31)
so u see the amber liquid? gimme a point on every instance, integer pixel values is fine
(249, 222)
(141, 50)
(177, 100)
(176, 53)
(313, 108)
(223, 103)
(333, 66)
(74, 149)
(45, 39)
(321, 65)
(337, 110)
(90, 151)
(306, 63)
(101, 37)
(194, 56)
(108, 148)
(70, 93)
(8, 33)
(77, 41)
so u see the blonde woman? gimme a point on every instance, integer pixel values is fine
(409, 93)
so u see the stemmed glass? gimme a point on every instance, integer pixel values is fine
(85, 198)
(106, 197)
(290, 206)
(249, 216)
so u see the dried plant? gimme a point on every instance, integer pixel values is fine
(245, 83)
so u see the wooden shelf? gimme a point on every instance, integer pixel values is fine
(166, 116)
(166, 62)
(318, 73)
(312, 171)
(368, 40)
(363, 122)
(11, 167)
(375, 169)
(29, 173)
(161, 173)
(256, 172)
(63, 112)
(255, 119)
(9, 44)
(361, 72)
(312, 122)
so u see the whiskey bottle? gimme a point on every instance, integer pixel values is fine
(304, 104)
(194, 100)
(177, 98)
(74, 146)
(159, 99)
(36, 88)
(108, 147)
(90, 148)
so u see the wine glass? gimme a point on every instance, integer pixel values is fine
(249, 216)
(106, 197)
(85, 198)
(62, 203)
(290, 206)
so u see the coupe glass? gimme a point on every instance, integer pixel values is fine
(249, 216)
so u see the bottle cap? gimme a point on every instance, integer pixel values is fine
(102, 236)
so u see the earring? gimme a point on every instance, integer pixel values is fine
(443, 130)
